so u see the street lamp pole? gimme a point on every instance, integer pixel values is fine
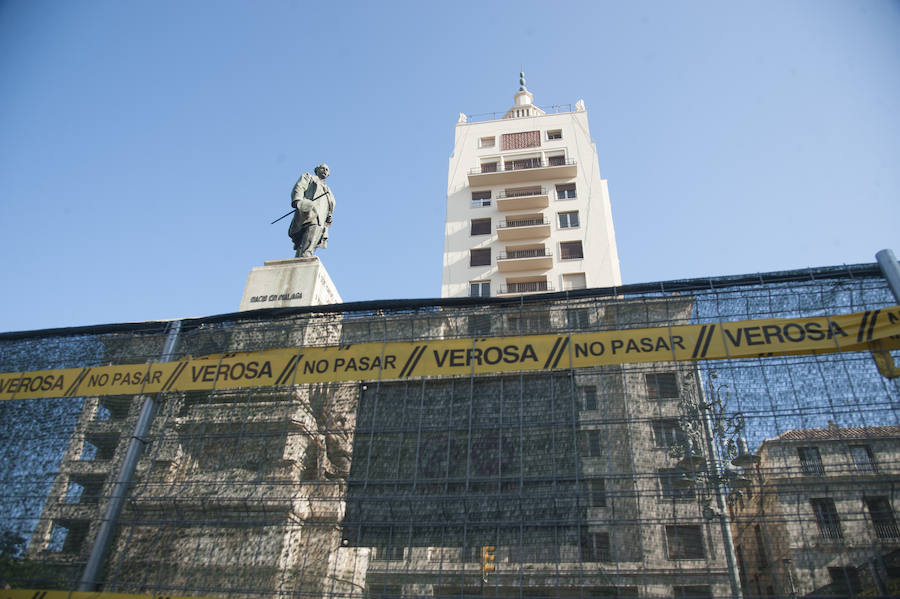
(725, 525)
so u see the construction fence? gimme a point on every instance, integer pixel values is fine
(723, 437)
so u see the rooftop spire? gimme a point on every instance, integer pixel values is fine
(523, 102)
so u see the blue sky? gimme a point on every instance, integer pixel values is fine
(146, 145)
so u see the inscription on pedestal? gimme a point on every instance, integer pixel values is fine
(289, 283)
(276, 297)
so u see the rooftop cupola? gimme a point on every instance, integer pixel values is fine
(524, 103)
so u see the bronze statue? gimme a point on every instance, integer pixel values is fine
(313, 206)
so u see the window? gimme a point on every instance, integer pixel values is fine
(568, 220)
(74, 492)
(762, 560)
(479, 324)
(536, 552)
(863, 458)
(667, 433)
(810, 461)
(481, 199)
(528, 322)
(70, 537)
(578, 318)
(692, 592)
(661, 385)
(487, 142)
(845, 581)
(489, 167)
(481, 226)
(593, 444)
(597, 488)
(379, 590)
(882, 517)
(565, 191)
(575, 280)
(570, 250)
(589, 397)
(515, 165)
(827, 518)
(556, 160)
(102, 413)
(684, 542)
(667, 476)
(595, 547)
(518, 141)
(389, 553)
(554, 134)
(480, 289)
(480, 257)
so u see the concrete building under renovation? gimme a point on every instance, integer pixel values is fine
(607, 478)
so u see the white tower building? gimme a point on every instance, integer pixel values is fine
(527, 210)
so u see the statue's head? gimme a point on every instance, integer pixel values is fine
(322, 171)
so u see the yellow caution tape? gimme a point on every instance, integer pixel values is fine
(469, 356)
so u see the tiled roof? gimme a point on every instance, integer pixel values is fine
(835, 432)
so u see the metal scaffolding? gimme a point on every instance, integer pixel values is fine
(767, 476)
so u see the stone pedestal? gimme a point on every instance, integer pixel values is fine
(289, 283)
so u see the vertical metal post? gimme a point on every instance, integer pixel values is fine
(90, 576)
(891, 271)
(724, 524)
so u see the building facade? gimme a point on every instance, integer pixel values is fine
(820, 518)
(527, 209)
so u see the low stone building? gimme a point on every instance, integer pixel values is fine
(820, 518)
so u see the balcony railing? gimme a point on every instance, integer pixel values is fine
(886, 530)
(517, 165)
(830, 531)
(522, 222)
(522, 194)
(535, 253)
(527, 287)
(496, 116)
(812, 467)
(866, 466)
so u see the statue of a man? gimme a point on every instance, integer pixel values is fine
(313, 206)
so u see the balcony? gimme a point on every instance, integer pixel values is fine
(523, 228)
(523, 200)
(526, 287)
(520, 171)
(516, 260)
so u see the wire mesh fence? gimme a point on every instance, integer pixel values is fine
(771, 476)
